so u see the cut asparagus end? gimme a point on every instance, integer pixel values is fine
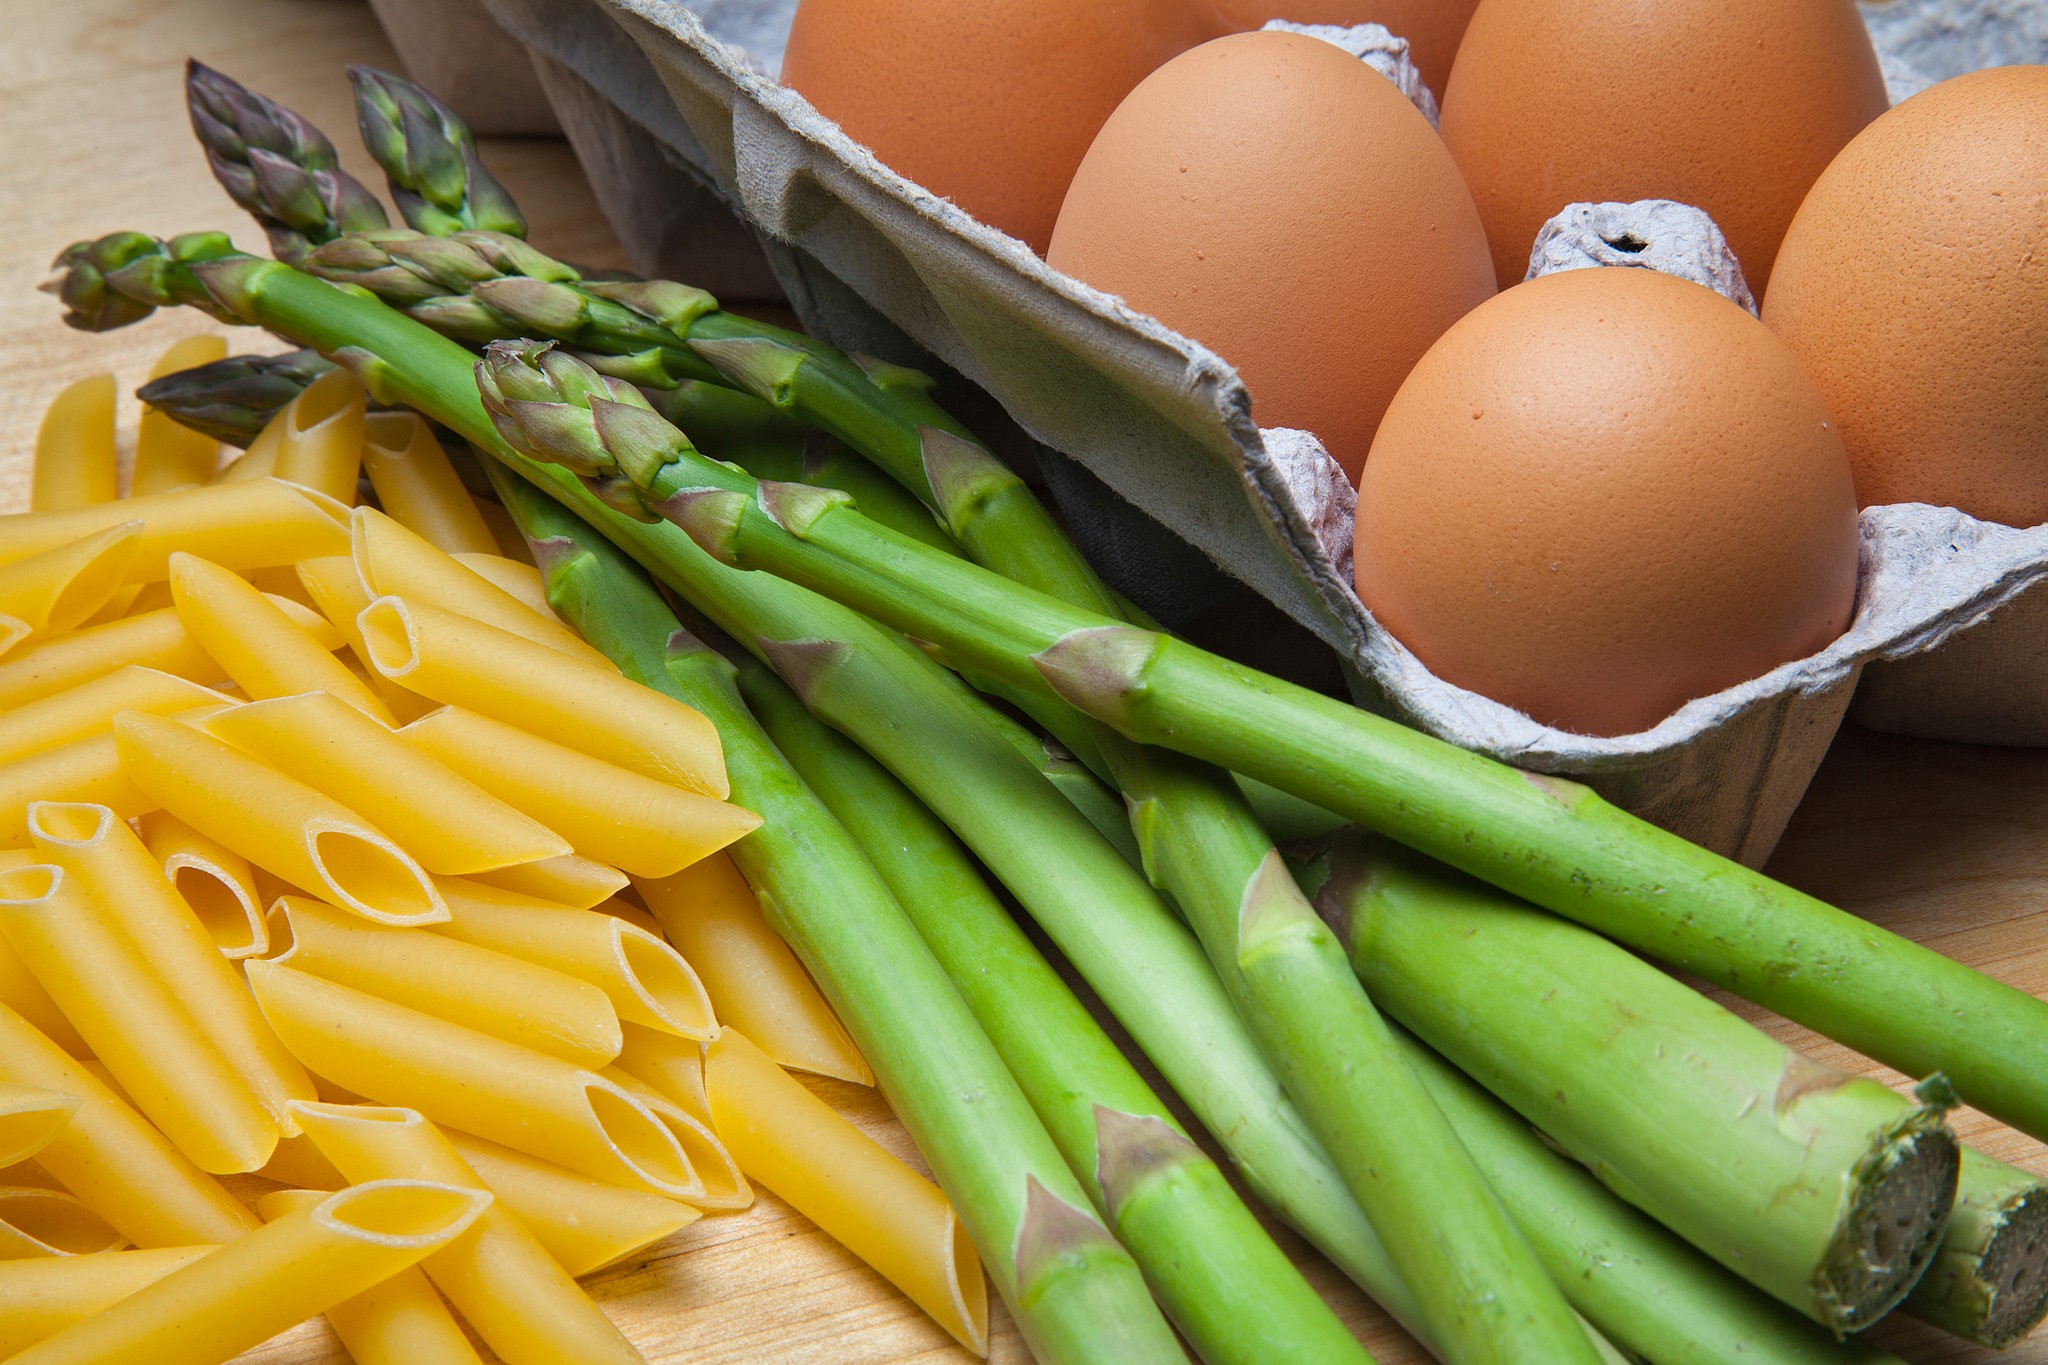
(1900, 1198)
(1130, 1149)
(1989, 1281)
(1098, 669)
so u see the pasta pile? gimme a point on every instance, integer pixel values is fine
(330, 859)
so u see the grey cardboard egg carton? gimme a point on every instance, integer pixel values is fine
(675, 112)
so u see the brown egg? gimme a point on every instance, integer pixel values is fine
(1913, 285)
(991, 103)
(1432, 27)
(1605, 493)
(1735, 106)
(1283, 204)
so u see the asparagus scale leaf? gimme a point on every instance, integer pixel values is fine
(429, 156)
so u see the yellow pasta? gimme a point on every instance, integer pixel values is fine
(337, 590)
(506, 997)
(298, 1163)
(648, 981)
(277, 822)
(29, 1117)
(577, 883)
(509, 1094)
(399, 1322)
(611, 815)
(463, 662)
(214, 880)
(129, 888)
(39, 1222)
(41, 1297)
(275, 1277)
(842, 1180)
(156, 639)
(75, 448)
(258, 646)
(239, 526)
(13, 631)
(22, 993)
(673, 1066)
(112, 1159)
(417, 485)
(755, 982)
(133, 1022)
(504, 530)
(89, 709)
(168, 454)
(520, 579)
(498, 1276)
(63, 586)
(84, 770)
(320, 437)
(585, 1224)
(723, 1185)
(451, 824)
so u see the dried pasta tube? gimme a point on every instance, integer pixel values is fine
(498, 1276)
(129, 888)
(85, 770)
(39, 1222)
(842, 1180)
(585, 1224)
(465, 1079)
(211, 878)
(239, 526)
(724, 1186)
(397, 562)
(514, 576)
(297, 1162)
(465, 663)
(40, 1297)
(275, 821)
(451, 824)
(13, 631)
(320, 437)
(112, 1159)
(673, 1066)
(258, 646)
(755, 982)
(259, 461)
(63, 586)
(577, 883)
(29, 1117)
(399, 1322)
(506, 997)
(155, 639)
(132, 1021)
(417, 485)
(89, 709)
(337, 590)
(642, 826)
(169, 454)
(22, 993)
(284, 1272)
(647, 981)
(74, 464)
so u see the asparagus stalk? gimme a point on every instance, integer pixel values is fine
(1075, 1293)
(1989, 1281)
(429, 157)
(232, 400)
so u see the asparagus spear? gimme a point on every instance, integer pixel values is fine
(1989, 1282)
(232, 400)
(428, 155)
(1075, 1293)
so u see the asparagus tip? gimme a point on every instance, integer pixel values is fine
(1129, 1148)
(1098, 669)
(1053, 1230)
(803, 664)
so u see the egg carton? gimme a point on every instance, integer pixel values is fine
(1950, 635)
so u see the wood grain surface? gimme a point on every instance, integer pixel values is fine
(1946, 843)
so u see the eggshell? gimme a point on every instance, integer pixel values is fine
(991, 103)
(1432, 27)
(1734, 106)
(1913, 285)
(1605, 493)
(1286, 206)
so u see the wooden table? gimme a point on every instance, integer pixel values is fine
(1943, 842)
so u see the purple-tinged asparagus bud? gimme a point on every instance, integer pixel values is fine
(430, 158)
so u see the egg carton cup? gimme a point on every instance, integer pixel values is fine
(1949, 638)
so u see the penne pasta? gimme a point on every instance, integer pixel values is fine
(336, 589)
(128, 887)
(498, 1276)
(89, 709)
(63, 586)
(275, 821)
(418, 487)
(284, 1272)
(85, 770)
(517, 577)
(239, 526)
(40, 1222)
(842, 1180)
(647, 981)
(451, 824)
(216, 882)
(133, 1022)
(576, 883)
(611, 815)
(724, 1186)
(320, 436)
(755, 982)
(41, 1297)
(465, 663)
(258, 646)
(298, 1163)
(465, 1079)
(673, 1066)
(13, 631)
(74, 464)
(506, 997)
(169, 455)
(112, 1159)
(401, 1321)
(22, 993)
(29, 1117)
(583, 1223)
(504, 530)
(155, 640)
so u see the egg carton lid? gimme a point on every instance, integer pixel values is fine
(875, 262)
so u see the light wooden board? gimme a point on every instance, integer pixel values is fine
(1943, 842)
